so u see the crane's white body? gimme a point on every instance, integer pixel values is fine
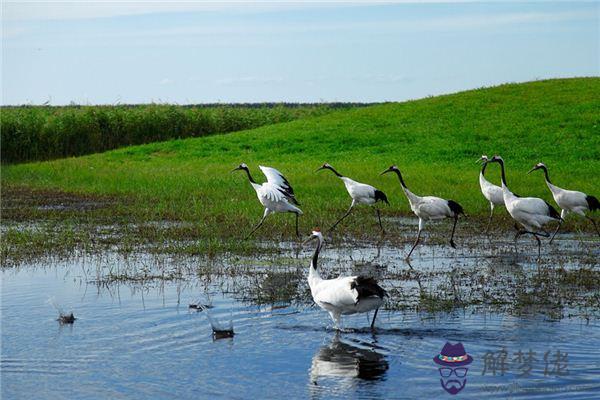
(361, 193)
(273, 200)
(531, 212)
(273, 193)
(493, 193)
(337, 297)
(428, 207)
(569, 200)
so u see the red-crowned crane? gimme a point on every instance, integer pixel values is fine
(491, 192)
(344, 295)
(360, 193)
(428, 208)
(569, 200)
(276, 195)
(531, 212)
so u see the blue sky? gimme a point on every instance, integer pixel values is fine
(195, 52)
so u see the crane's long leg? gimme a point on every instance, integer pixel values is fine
(417, 240)
(535, 235)
(539, 245)
(490, 220)
(555, 231)
(374, 316)
(524, 231)
(297, 230)
(379, 218)
(593, 223)
(343, 216)
(517, 235)
(267, 212)
(453, 229)
(563, 214)
(336, 320)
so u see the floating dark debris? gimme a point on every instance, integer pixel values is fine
(279, 306)
(63, 317)
(222, 334)
(66, 318)
(200, 307)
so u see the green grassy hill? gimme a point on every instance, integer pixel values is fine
(435, 142)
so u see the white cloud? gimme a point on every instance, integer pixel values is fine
(165, 81)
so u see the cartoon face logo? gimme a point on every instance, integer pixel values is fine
(453, 361)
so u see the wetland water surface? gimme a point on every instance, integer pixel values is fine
(136, 337)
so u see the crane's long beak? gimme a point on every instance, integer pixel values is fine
(311, 237)
(386, 171)
(235, 169)
(531, 170)
(320, 168)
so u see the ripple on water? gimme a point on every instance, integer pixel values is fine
(141, 340)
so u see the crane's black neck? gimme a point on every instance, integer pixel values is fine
(249, 176)
(397, 171)
(483, 167)
(334, 171)
(546, 174)
(501, 162)
(315, 258)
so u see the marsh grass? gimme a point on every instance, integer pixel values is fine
(435, 142)
(559, 286)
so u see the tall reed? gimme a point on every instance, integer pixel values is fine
(35, 133)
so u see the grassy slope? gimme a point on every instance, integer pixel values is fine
(37, 133)
(435, 141)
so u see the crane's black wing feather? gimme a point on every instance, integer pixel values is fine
(367, 287)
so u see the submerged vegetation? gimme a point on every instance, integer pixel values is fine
(564, 284)
(33, 133)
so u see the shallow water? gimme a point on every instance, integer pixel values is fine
(137, 338)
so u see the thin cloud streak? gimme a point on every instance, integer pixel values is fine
(36, 10)
(221, 32)
(92, 9)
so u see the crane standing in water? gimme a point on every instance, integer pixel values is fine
(491, 192)
(344, 295)
(428, 207)
(569, 200)
(360, 193)
(276, 195)
(530, 212)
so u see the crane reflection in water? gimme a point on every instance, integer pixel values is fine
(347, 364)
